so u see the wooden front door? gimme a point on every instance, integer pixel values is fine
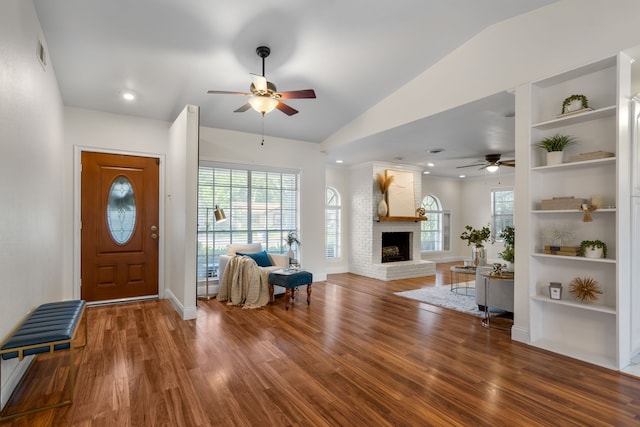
(119, 238)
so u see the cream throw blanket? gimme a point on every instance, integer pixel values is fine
(244, 283)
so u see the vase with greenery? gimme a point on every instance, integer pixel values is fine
(509, 237)
(477, 238)
(555, 145)
(593, 249)
(292, 242)
(384, 181)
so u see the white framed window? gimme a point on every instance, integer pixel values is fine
(501, 210)
(261, 206)
(332, 224)
(435, 232)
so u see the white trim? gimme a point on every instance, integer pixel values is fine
(77, 169)
(520, 334)
(121, 300)
(185, 313)
(248, 167)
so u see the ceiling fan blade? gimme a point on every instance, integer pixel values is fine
(242, 109)
(510, 163)
(289, 111)
(469, 166)
(226, 92)
(260, 83)
(298, 94)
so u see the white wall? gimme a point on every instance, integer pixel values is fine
(338, 178)
(182, 212)
(244, 148)
(31, 164)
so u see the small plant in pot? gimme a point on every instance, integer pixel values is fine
(554, 145)
(593, 249)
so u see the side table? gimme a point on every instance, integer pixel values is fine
(488, 276)
(290, 280)
(455, 272)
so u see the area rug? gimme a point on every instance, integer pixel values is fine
(442, 296)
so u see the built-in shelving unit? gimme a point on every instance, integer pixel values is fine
(588, 332)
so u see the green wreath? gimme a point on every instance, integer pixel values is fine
(583, 99)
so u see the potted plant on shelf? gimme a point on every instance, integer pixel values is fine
(575, 103)
(555, 145)
(508, 254)
(593, 249)
(477, 238)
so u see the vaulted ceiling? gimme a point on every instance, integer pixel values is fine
(352, 53)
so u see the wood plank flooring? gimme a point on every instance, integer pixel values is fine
(357, 356)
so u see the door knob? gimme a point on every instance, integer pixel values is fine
(154, 228)
(154, 236)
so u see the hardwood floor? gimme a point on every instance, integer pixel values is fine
(357, 356)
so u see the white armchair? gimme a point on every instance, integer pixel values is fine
(278, 261)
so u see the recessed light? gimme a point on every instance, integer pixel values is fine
(339, 161)
(426, 172)
(431, 164)
(128, 95)
(462, 176)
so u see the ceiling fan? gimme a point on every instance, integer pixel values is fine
(492, 163)
(264, 95)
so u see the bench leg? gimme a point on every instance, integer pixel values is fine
(271, 298)
(309, 294)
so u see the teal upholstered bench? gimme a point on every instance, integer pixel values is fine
(290, 280)
(50, 327)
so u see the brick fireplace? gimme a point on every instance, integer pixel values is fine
(366, 230)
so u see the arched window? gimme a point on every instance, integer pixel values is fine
(332, 224)
(434, 233)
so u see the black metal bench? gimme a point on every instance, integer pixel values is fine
(50, 327)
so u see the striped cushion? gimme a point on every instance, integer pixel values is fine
(48, 323)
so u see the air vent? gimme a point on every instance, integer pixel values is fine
(41, 53)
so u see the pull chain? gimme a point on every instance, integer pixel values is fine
(262, 143)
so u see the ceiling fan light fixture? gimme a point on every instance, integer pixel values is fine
(263, 104)
(493, 168)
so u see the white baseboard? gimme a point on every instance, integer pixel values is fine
(186, 313)
(520, 334)
(12, 373)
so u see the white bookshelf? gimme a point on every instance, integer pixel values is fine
(589, 332)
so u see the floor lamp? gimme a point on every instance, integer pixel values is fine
(220, 217)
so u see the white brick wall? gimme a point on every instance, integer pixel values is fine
(366, 232)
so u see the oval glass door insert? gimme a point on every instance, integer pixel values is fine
(121, 210)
